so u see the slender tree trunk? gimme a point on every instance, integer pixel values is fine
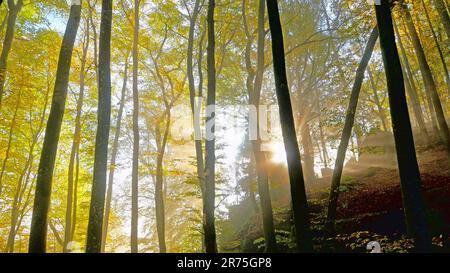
(429, 82)
(114, 151)
(75, 146)
(308, 149)
(438, 47)
(411, 82)
(38, 232)
(14, 9)
(196, 104)
(298, 191)
(94, 234)
(346, 133)
(159, 194)
(445, 19)
(323, 145)
(210, 153)
(254, 84)
(406, 156)
(10, 139)
(377, 100)
(135, 167)
(410, 88)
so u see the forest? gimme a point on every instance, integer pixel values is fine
(224, 126)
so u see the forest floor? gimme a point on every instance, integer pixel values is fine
(370, 205)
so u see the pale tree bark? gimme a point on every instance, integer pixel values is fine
(75, 144)
(195, 99)
(114, 151)
(94, 233)
(38, 231)
(380, 108)
(298, 191)
(413, 204)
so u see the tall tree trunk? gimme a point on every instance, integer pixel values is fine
(445, 19)
(159, 185)
(298, 191)
(414, 90)
(438, 47)
(346, 133)
(75, 145)
(323, 144)
(308, 149)
(114, 151)
(429, 82)
(377, 100)
(406, 156)
(94, 233)
(135, 166)
(210, 153)
(14, 9)
(38, 232)
(196, 101)
(254, 85)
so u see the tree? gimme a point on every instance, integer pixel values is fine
(114, 151)
(38, 232)
(298, 192)
(94, 233)
(70, 219)
(135, 167)
(196, 104)
(254, 85)
(442, 10)
(428, 79)
(406, 156)
(14, 9)
(210, 157)
(346, 133)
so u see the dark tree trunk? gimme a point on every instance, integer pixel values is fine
(135, 167)
(14, 9)
(94, 233)
(298, 191)
(210, 153)
(346, 133)
(406, 156)
(429, 82)
(38, 231)
(114, 151)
